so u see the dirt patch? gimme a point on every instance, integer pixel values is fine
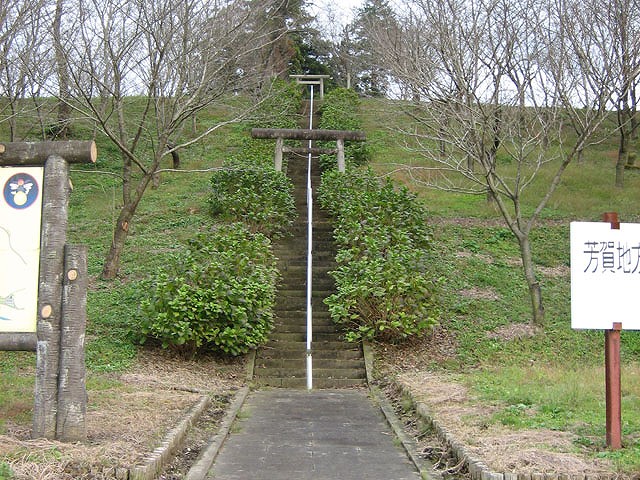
(555, 272)
(477, 293)
(514, 331)
(127, 418)
(483, 257)
(436, 347)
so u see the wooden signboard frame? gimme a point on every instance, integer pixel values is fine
(60, 392)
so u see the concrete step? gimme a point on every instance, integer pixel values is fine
(317, 372)
(300, 315)
(299, 303)
(298, 353)
(318, 383)
(299, 273)
(322, 285)
(318, 336)
(301, 270)
(319, 326)
(303, 293)
(324, 348)
(300, 260)
(319, 363)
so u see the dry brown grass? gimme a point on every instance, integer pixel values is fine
(125, 421)
(503, 450)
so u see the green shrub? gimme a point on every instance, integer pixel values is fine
(248, 189)
(366, 209)
(386, 298)
(218, 295)
(384, 288)
(339, 111)
(262, 198)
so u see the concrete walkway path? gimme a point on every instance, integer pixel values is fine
(321, 435)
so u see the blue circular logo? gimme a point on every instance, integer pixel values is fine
(20, 191)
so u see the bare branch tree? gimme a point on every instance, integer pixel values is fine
(497, 80)
(22, 42)
(140, 69)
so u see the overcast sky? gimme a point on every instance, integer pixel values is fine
(342, 9)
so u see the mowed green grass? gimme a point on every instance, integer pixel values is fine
(554, 378)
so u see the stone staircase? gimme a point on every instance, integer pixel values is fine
(282, 361)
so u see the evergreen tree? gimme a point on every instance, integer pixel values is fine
(374, 16)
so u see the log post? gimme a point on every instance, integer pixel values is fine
(53, 238)
(72, 396)
(278, 154)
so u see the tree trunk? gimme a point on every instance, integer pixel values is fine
(535, 291)
(121, 231)
(633, 137)
(623, 147)
(64, 111)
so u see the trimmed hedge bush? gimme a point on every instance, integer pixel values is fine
(260, 197)
(218, 295)
(384, 289)
(339, 112)
(248, 189)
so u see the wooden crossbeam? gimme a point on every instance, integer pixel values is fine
(36, 153)
(312, 150)
(280, 134)
(307, 134)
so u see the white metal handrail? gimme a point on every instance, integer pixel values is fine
(309, 256)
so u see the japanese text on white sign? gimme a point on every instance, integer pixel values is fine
(605, 275)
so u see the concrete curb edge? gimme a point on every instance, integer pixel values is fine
(479, 470)
(206, 458)
(156, 460)
(424, 467)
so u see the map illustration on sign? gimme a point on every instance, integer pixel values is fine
(20, 221)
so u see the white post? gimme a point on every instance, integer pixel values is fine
(278, 154)
(341, 164)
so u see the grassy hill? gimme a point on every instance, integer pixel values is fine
(528, 378)
(525, 378)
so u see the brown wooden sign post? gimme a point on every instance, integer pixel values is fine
(60, 393)
(280, 134)
(613, 384)
(605, 263)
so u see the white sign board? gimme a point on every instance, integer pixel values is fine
(20, 221)
(605, 275)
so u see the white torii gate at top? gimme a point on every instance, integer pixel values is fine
(310, 79)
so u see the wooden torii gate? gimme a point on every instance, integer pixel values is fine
(280, 134)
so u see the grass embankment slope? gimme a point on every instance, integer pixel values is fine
(521, 394)
(135, 394)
